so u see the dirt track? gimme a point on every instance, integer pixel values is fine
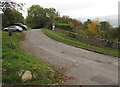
(87, 68)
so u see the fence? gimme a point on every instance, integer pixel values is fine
(93, 41)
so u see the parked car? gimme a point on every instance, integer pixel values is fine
(13, 28)
(22, 25)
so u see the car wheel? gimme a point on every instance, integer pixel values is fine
(5, 30)
(18, 30)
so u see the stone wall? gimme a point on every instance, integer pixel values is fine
(91, 40)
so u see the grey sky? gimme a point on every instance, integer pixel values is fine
(78, 8)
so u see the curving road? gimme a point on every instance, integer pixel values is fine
(86, 67)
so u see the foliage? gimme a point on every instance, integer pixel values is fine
(36, 17)
(104, 25)
(117, 33)
(64, 26)
(63, 19)
(11, 16)
(39, 17)
(51, 13)
(112, 34)
(4, 4)
(75, 24)
(11, 12)
(94, 28)
(85, 24)
(90, 28)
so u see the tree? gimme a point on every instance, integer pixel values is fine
(51, 13)
(36, 17)
(4, 4)
(10, 17)
(39, 17)
(64, 19)
(11, 12)
(94, 28)
(104, 25)
(75, 24)
(113, 34)
(86, 23)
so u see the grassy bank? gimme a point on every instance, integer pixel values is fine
(15, 61)
(71, 41)
(0, 43)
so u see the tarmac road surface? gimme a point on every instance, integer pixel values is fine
(86, 67)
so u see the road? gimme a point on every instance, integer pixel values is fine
(86, 67)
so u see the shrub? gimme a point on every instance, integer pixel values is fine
(64, 26)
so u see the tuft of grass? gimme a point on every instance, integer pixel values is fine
(74, 42)
(14, 60)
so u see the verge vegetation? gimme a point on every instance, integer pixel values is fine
(15, 61)
(72, 41)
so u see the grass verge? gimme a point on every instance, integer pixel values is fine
(72, 41)
(14, 60)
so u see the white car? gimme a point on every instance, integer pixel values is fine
(13, 28)
(21, 25)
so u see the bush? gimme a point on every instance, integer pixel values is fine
(64, 26)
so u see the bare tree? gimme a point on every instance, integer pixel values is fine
(10, 4)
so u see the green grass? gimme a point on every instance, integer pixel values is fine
(72, 41)
(15, 60)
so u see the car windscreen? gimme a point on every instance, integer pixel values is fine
(12, 26)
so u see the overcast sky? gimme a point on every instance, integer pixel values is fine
(78, 8)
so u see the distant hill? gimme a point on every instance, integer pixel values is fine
(112, 19)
